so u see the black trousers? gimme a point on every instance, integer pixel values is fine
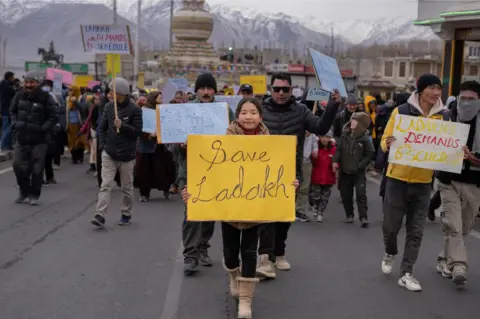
(240, 241)
(405, 200)
(28, 165)
(49, 167)
(348, 184)
(196, 238)
(273, 237)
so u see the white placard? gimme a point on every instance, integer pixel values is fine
(428, 143)
(317, 94)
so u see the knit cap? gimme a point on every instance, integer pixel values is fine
(352, 99)
(363, 120)
(426, 80)
(206, 80)
(122, 86)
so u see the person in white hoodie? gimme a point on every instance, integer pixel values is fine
(310, 149)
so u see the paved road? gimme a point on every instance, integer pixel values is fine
(53, 265)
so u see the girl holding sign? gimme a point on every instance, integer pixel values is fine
(242, 238)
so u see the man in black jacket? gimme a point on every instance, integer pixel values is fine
(118, 143)
(33, 116)
(7, 92)
(284, 116)
(344, 116)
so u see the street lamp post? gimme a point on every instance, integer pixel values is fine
(136, 61)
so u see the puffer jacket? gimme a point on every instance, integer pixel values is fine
(33, 116)
(354, 151)
(235, 129)
(120, 146)
(295, 118)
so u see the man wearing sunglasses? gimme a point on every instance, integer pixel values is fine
(284, 116)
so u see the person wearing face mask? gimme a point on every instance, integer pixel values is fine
(283, 115)
(407, 189)
(33, 115)
(460, 193)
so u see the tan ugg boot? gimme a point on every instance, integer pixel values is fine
(232, 275)
(265, 269)
(246, 290)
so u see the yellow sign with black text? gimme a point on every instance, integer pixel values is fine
(241, 178)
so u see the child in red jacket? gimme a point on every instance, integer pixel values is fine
(323, 176)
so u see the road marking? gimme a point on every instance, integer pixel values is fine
(473, 232)
(5, 170)
(174, 291)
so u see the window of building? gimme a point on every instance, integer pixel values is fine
(474, 51)
(388, 72)
(473, 70)
(402, 70)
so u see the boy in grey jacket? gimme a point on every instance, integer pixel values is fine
(354, 152)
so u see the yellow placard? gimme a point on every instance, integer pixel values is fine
(258, 83)
(82, 80)
(114, 64)
(228, 91)
(241, 178)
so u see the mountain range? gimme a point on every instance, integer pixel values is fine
(30, 24)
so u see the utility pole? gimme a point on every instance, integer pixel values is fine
(332, 49)
(136, 58)
(114, 11)
(171, 23)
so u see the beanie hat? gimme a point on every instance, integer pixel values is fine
(32, 76)
(97, 89)
(47, 82)
(426, 80)
(352, 99)
(121, 86)
(363, 120)
(206, 80)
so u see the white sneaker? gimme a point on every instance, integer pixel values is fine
(409, 282)
(319, 217)
(443, 269)
(387, 263)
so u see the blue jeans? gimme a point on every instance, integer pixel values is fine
(6, 143)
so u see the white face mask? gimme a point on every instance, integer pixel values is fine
(46, 89)
(467, 109)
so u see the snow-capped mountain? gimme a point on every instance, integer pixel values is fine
(36, 22)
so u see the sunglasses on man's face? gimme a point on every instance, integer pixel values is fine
(284, 89)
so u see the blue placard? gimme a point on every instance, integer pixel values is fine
(328, 73)
(177, 121)
(149, 117)
(231, 100)
(317, 94)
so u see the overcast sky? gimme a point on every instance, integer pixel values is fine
(332, 9)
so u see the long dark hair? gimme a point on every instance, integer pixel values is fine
(252, 100)
(152, 99)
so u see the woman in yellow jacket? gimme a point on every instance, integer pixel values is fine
(371, 109)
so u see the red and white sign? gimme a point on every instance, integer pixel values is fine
(296, 68)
